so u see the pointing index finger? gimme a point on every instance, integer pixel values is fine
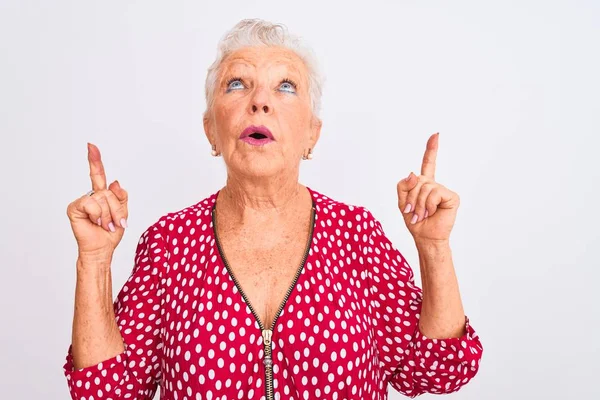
(428, 167)
(97, 174)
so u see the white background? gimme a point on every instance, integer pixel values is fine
(512, 87)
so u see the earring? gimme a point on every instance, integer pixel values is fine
(308, 156)
(214, 152)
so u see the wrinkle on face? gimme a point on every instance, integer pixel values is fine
(289, 115)
(243, 61)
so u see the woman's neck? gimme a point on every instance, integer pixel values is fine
(247, 202)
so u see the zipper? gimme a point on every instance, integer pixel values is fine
(267, 333)
(268, 361)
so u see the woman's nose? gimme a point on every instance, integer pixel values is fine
(256, 107)
(260, 102)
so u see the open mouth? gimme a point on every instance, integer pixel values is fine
(257, 135)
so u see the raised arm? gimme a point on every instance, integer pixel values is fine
(410, 361)
(114, 345)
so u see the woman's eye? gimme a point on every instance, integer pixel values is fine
(288, 87)
(235, 84)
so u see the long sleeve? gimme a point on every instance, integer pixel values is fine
(134, 373)
(412, 363)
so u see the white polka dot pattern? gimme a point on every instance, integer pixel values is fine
(348, 329)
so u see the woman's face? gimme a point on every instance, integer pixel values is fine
(268, 87)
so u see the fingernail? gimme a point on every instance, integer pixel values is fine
(414, 219)
(426, 214)
(123, 223)
(99, 222)
(408, 177)
(407, 209)
(111, 226)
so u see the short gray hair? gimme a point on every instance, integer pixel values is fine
(257, 32)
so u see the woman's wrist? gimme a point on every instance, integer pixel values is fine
(87, 263)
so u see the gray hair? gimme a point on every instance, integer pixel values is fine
(257, 32)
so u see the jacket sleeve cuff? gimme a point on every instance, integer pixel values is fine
(439, 353)
(105, 376)
(439, 366)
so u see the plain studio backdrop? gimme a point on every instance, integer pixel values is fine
(512, 87)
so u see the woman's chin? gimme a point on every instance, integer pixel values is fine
(260, 167)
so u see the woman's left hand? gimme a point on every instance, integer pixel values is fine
(431, 206)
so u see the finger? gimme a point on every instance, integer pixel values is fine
(432, 202)
(121, 193)
(404, 187)
(429, 159)
(97, 174)
(420, 207)
(118, 211)
(407, 204)
(106, 216)
(412, 199)
(448, 198)
(87, 205)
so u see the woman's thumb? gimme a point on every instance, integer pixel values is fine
(121, 193)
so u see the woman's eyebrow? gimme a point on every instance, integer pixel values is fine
(241, 68)
(231, 71)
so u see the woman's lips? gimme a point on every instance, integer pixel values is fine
(256, 142)
(257, 135)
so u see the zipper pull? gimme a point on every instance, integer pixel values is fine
(266, 334)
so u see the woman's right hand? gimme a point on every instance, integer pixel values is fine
(98, 221)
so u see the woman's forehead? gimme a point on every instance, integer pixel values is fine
(252, 58)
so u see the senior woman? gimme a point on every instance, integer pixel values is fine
(267, 289)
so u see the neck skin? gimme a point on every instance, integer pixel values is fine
(264, 201)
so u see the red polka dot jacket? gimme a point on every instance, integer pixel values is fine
(347, 328)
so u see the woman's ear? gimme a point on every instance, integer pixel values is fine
(208, 129)
(315, 131)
